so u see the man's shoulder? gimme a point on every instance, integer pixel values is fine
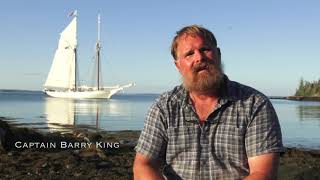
(169, 100)
(239, 91)
(177, 94)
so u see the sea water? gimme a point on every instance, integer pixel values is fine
(35, 109)
(299, 120)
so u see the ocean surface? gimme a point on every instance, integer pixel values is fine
(299, 120)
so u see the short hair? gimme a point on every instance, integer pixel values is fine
(192, 30)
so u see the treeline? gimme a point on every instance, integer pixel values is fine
(307, 88)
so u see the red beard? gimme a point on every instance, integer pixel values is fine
(205, 78)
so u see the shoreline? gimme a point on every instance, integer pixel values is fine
(297, 98)
(304, 98)
(96, 162)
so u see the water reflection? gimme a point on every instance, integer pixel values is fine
(300, 123)
(66, 114)
(308, 112)
(114, 114)
(300, 120)
(59, 112)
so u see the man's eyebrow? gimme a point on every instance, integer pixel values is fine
(188, 52)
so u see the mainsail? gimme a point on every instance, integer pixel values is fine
(63, 69)
(62, 78)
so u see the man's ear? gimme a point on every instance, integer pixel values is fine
(219, 52)
(176, 62)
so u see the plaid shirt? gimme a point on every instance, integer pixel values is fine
(244, 124)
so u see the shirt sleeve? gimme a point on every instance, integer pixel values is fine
(153, 139)
(263, 133)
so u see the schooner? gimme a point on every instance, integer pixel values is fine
(62, 78)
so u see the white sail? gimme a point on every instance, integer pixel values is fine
(61, 81)
(62, 72)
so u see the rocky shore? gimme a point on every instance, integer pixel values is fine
(27, 153)
(297, 98)
(304, 98)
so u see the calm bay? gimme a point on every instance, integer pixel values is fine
(299, 120)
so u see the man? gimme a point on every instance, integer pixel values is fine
(209, 127)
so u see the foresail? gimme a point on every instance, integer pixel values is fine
(62, 72)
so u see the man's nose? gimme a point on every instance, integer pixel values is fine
(198, 56)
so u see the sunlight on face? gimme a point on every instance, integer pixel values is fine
(199, 64)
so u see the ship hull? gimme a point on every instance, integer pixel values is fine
(104, 94)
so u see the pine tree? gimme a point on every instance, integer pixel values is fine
(307, 88)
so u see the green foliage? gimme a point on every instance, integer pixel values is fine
(307, 88)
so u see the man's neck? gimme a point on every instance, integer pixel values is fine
(204, 104)
(202, 97)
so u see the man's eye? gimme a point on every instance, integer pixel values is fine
(204, 49)
(189, 54)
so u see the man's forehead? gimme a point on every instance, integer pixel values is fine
(185, 38)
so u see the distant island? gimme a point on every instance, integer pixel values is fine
(309, 91)
(307, 88)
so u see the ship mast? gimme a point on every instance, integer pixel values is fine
(76, 68)
(75, 14)
(98, 48)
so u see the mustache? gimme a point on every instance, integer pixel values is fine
(202, 65)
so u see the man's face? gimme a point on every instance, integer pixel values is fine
(199, 64)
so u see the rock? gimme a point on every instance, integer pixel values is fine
(5, 133)
(80, 134)
(77, 152)
(2, 135)
(101, 153)
(86, 154)
(131, 143)
(64, 163)
(123, 141)
(44, 165)
(78, 174)
(3, 128)
(94, 137)
(86, 139)
(103, 164)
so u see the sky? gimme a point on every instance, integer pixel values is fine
(269, 45)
